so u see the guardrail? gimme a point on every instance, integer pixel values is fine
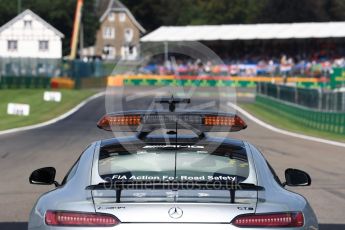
(333, 122)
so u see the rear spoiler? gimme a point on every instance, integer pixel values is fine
(119, 186)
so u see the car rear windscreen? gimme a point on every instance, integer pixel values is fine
(173, 163)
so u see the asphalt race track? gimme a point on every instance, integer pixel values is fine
(60, 144)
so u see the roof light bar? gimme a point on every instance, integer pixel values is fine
(153, 120)
(214, 120)
(109, 121)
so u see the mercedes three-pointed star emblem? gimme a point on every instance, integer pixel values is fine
(175, 212)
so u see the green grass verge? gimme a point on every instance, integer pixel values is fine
(273, 116)
(40, 110)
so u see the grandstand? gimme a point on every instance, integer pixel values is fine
(262, 49)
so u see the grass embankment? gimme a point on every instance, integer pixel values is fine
(40, 110)
(278, 119)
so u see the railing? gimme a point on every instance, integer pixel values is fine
(15, 82)
(333, 122)
(30, 67)
(24, 67)
(317, 99)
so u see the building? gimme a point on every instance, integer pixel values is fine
(119, 33)
(29, 36)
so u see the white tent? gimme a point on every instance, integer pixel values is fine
(247, 32)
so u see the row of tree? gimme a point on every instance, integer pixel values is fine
(154, 13)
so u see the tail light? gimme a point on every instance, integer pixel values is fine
(63, 218)
(290, 219)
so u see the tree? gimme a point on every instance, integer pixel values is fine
(154, 13)
(337, 10)
(280, 11)
(8, 10)
(90, 23)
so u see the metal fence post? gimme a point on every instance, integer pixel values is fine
(278, 91)
(320, 92)
(266, 85)
(343, 101)
(334, 101)
(327, 101)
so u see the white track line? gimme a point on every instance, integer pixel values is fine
(281, 131)
(54, 120)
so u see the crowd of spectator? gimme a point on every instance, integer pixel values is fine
(283, 66)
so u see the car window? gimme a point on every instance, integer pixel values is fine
(184, 164)
(276, 178)
(70, 173)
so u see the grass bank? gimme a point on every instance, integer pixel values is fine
(278, 119)
(40, 110)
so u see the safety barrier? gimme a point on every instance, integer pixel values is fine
(93, 82)
(62, 83)
(337, 78)
(332, 122)
(146, 80)
(15, 82)
(207, 81)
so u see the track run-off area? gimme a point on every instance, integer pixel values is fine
(60, 144)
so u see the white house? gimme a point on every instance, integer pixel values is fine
(29, 36)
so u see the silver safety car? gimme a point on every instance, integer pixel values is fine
(172, 179)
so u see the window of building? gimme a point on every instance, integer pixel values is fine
(122, 17)
(43, 45)
(128, 35)
(111, 16)
(108, 33)
(129, 52)
(12, 45)
(109, 52)
(27, 24)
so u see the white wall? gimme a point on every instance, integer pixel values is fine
(28, 40)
